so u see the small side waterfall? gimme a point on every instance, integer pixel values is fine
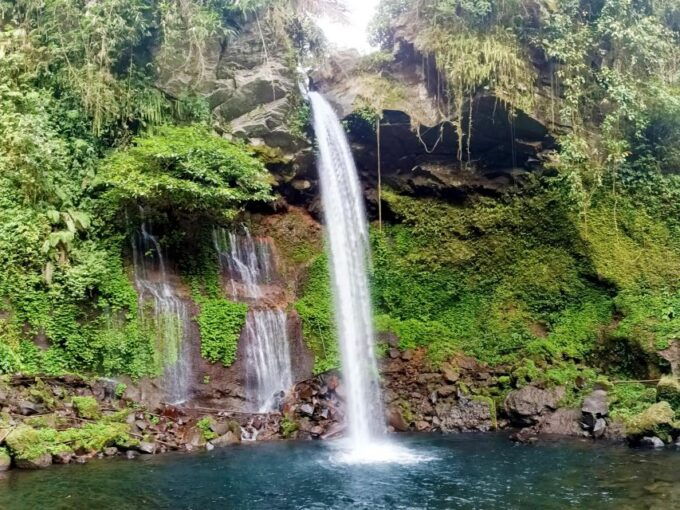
(169, 314)
(250, 265)
(347, 233)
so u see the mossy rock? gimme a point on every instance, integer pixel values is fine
(26, 443)
(668, 390)
(656, 420)
(86, 407)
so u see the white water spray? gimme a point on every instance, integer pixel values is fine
(347, 233)
(170, 315)
(251, 267)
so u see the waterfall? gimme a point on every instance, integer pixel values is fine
(347, 234)
(169, 313)
(250, 265)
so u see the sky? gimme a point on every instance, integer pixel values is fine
(354, 35)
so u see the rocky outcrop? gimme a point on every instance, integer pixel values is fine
(422, 151)
(529, 404)
(247, 82)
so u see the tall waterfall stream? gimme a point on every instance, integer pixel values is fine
(347, 236)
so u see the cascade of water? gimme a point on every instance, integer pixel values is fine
(347, 234)
(170, 315)
(249, 263)
(251, 266)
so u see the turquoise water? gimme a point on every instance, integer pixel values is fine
(464, 471)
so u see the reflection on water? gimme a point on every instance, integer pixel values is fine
(466, 471)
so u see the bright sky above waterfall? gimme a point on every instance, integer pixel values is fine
(354, 34)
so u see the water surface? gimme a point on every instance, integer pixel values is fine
(465, 471)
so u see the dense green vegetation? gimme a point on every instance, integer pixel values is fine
(86, 139)
(316, 311)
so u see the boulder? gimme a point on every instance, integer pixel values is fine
(595, 406)
(131, 454)
(395, 418)
(465, 416)
(221, 428)
(111, 451)
(651, 442)
(193, 437)
(422, 426)
(563, 422)
(147, 447)
(38, 462)
(226, 439)
(668, 389)
(526, 405)
(65, 457)
(446, 391)
(526, 435)
(599, 428)
(28, 408)
(657, 417)
(450, 373)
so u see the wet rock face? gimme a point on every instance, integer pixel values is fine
(427, 399)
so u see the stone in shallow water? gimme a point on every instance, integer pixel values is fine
(526, 405)
(395, 419)
(652, 442)
(146, 447)
(63, 457)
(599, 427)
(41, 461)
(595, 407)
(563, 422)
(226, 440)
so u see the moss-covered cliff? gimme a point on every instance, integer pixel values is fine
(519, 161)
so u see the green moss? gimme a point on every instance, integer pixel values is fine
(220, 322)
(657, 420)
(120, 389)
(119, 416)
(627, 399)
(96, 436)
(25, 442)
(488, 278)
(668, 389)
(316, 312)
(4, 456)
(288, 426)
(205, 425)
(86, 407)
